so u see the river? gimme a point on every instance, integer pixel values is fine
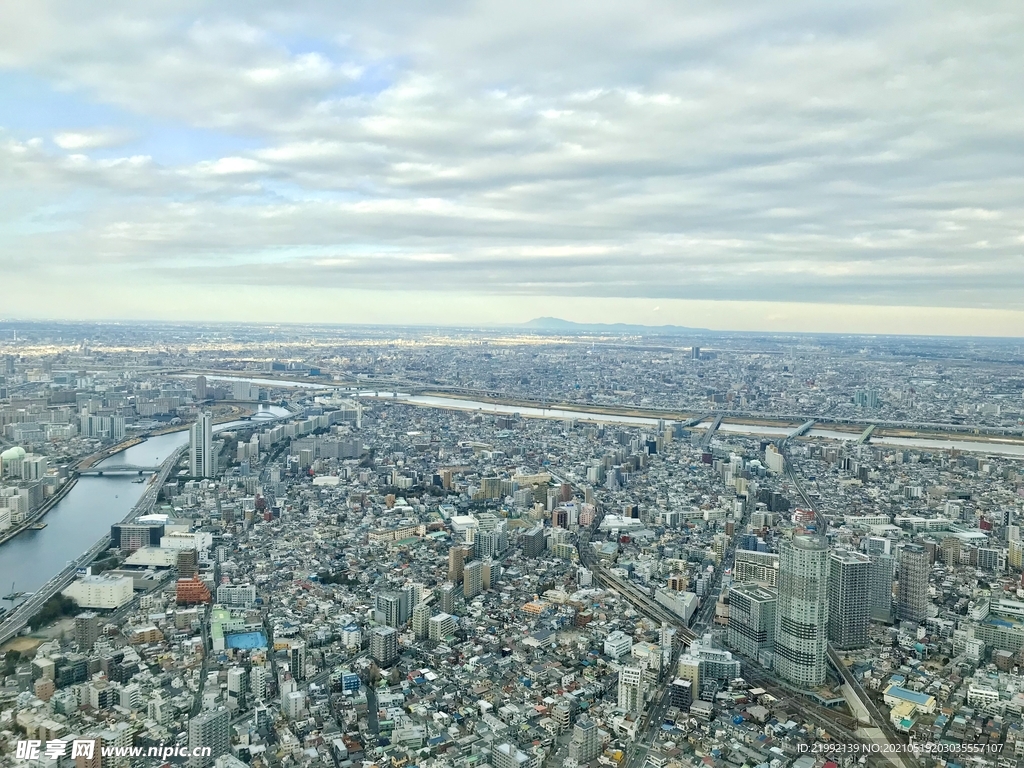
(77, 521)
(995, 447)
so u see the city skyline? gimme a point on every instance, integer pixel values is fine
(841, 169)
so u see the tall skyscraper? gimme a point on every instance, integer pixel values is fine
(801, 617)
(209, 729)
(849, 604)
(200, 446)
(912, 598)
(201, 393)
(752, 619)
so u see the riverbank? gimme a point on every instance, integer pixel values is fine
(39, 513)
(89, 461)
(993, 435)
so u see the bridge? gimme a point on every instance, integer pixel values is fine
(119, 469)
(865, 435)
(706, 440)
(803, 429)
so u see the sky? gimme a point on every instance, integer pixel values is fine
(841, 166)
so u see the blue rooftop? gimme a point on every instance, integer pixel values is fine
(911, 696)
(246, 641)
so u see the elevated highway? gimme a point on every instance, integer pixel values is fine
(16, 620)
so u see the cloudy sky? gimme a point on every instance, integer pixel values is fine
(792, 165)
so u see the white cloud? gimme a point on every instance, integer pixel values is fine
(858, 154)
(91, 139)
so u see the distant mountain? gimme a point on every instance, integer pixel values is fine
(568, 326)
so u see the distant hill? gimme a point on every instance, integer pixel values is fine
(568, 326)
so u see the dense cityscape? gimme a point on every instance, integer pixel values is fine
(521, 548)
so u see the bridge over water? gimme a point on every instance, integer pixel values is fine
(119, 469)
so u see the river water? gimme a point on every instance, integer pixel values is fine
(31, 558)
(995, 447)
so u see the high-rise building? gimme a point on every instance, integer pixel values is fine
(384, 645)
(446, 595)
(297, 660)
(473, 579)
(394, 607)
(632, 688)
(420, 617)
(87, 630)
(201, 388)
(752, 619)
(681, 693)
(455, 563)
(849, 599)
(236, 688)
(200, 446)
(586, 744)
(209, 729)
(258, 676)
(491, 544)
(801, 616)
(912, 597)
(533, 541)
(440, 627)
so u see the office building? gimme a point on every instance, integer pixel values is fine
(912, 595)
(209, 729)
(200, 446)
(752, 620)
(849, 599)
(384, 646)
(801, 615)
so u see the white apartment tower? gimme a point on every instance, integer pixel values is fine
(801, 615)
(200, 446)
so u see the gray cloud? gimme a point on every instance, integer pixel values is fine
(853, 153)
